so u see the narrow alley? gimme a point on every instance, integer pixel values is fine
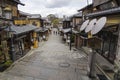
(51, 61)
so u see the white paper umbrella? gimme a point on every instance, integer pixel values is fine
(99, 25)
(91, 25)
(84, 25)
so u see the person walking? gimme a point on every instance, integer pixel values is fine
(56, 32)
(44, 38)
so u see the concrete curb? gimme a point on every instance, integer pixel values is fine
(30, 52)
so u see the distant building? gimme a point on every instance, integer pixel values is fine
(66, 30)
(35, 19)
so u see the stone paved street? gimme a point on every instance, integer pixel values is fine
(51, 61)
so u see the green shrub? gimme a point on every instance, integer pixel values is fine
(72, 38)
(8, 63)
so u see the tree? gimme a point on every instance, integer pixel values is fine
(51, 17)
(54, 20)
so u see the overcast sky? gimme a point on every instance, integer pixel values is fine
(58, 7)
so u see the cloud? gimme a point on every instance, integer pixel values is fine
(46, 7)
(57, 3)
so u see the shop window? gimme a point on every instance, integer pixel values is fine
(16, 47)
(109, 44)
(34, 23)
(8, 15)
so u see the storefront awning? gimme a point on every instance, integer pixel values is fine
(75, 32)
(48, 27)
(78, 15)
(21, 29)
(38, 29)
(66, 30)
(44, 30)
(41, 30)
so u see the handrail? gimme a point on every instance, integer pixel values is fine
(103, 72)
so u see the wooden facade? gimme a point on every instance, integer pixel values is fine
(110, 30)
(22, 44)
(4, 56)
(11, 5)
(107, 39)
(6, 6)
(36, 20)
(66, 23)
(22, 40)
(81, 38)
(87, 9)
(76, 21)
(33, 19)
(21, 22)
(66, 29)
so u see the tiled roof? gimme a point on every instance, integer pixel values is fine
(44, 29)
(105, 12)
(24, 13)
(78, 14)
(88, 6)
(38, 30)
(66, 30)
(34, 16)
(19, 2)
(66, 19)
(21, 29)
(41, 29)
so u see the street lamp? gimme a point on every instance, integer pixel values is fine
(12, 50)
(8, 16)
